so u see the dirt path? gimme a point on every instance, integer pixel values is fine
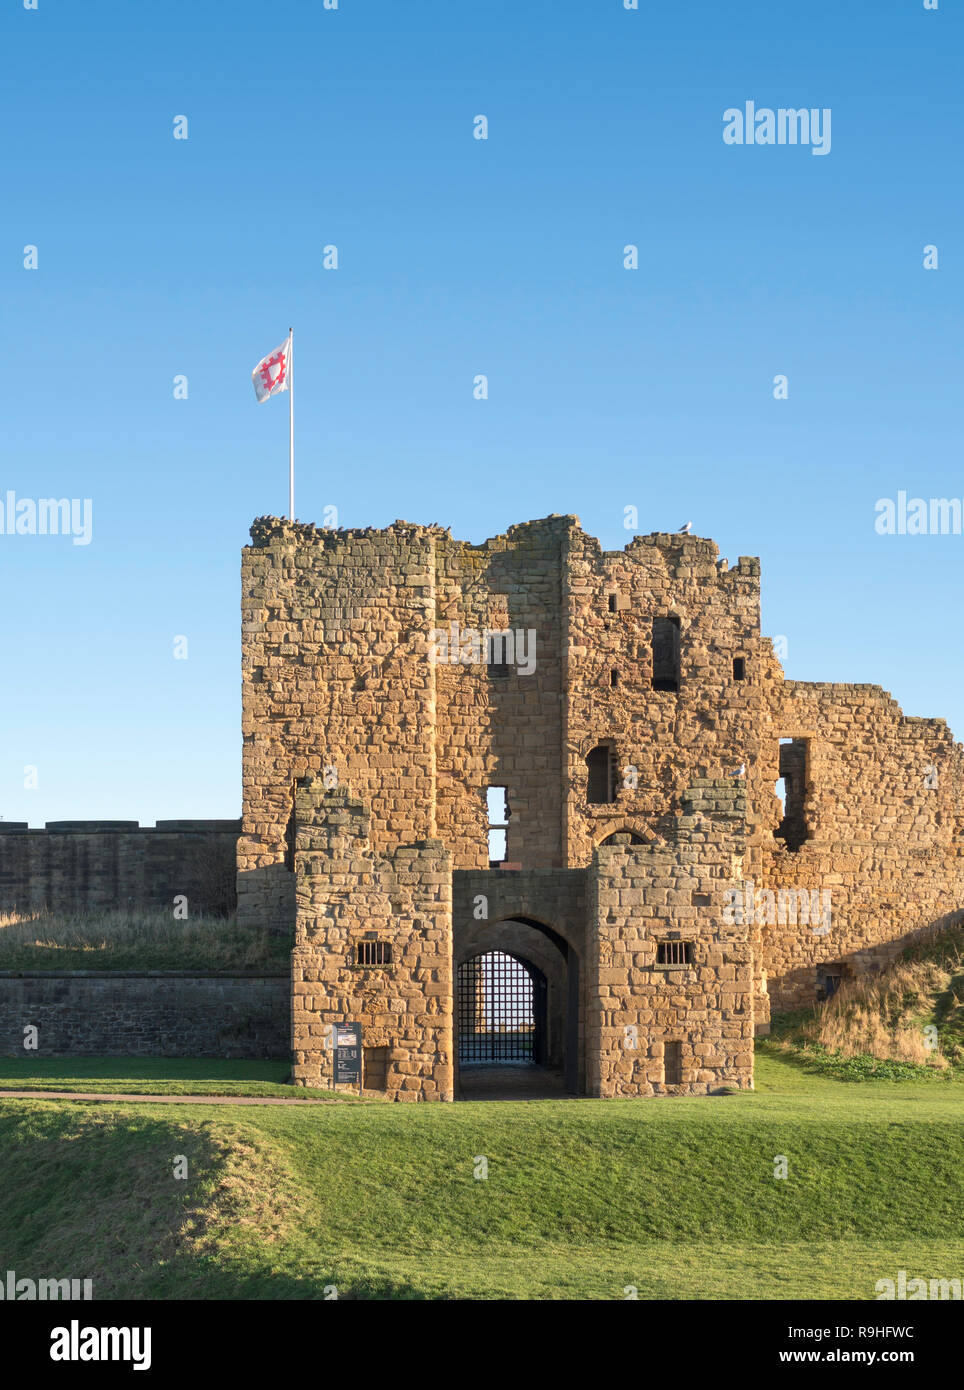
(146, 1099)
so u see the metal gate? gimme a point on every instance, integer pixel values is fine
(497, 1010)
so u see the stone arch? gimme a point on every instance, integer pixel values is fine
(638, 835)
(541, 948)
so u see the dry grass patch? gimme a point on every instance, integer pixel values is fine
(142, 939)
(911, 1014)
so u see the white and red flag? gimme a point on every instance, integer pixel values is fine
(272, 375)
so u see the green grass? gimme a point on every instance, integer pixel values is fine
(674, 1196)
(162, 1076)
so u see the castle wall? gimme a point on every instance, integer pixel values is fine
(502, 730)
(156, 1013)
(348, 894)
(653, 653)
(883, 813)
(89, 866)
(336, 682)
(641, 896)
(661, 739)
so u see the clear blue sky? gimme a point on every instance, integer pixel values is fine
(607, 387)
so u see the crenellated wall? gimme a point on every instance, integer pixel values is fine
(87, 866)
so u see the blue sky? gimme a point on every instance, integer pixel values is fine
(607, 388)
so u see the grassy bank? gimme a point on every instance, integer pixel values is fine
(905, 1023)
(140, 940)
(583, 1198)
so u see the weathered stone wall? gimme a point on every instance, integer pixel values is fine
(661, 739)
(87, 866)
(339, 682)
(884, 818)
(641, 896)
(154, 1014)
(347, 895)
(336, 677)
(502, 730)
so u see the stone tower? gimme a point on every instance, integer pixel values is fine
(625, 710)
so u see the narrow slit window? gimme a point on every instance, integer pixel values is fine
(497, 805)
(739, 668)
(666, 664)
(612, 603)
(673, 1064)
(614, 678)
(498, 655)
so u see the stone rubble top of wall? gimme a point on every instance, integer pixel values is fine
(688, 548)
(831, 691)
(835, 687)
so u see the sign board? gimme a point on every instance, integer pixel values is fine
(348, 1054)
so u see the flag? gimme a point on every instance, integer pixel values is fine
(272, 373)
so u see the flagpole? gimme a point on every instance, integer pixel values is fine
(291, 426)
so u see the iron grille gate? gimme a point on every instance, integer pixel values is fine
(496, 1010)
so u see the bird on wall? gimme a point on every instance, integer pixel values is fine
(739, 771)
(685, 530)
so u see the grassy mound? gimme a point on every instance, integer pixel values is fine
(138, 940)
(906, 1022)
(582, 1199)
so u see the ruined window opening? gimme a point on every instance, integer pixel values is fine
(498, 667)
(614, 678)
(601, 769)
(739, 668)
(612, 603)
(666, 667)
(674, 953)
(497, 805)
(291, 835)
(672, 1063)
(794, 769)
(373, 953)
(623, 837)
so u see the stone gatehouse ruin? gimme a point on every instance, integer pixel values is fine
(523, 797)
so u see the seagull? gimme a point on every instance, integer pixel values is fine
(739, 771)
(685, 530)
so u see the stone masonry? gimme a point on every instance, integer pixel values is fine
(87, 866)
(639, 726)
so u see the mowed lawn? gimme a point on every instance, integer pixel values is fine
(167, 1076)
(585, 1199)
